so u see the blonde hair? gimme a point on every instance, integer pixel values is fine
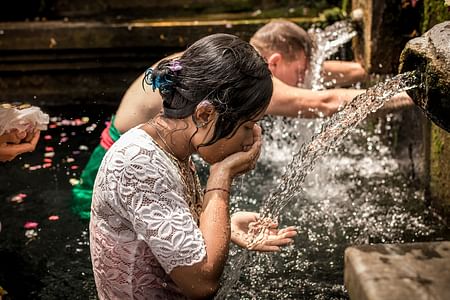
(284, 37)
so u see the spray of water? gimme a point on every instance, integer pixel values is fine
(327, 42)
(332, 133)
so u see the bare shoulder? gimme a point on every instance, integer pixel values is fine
(138, 105)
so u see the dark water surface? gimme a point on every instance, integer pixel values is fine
(361, 193)
(367, 190)
(55, 263)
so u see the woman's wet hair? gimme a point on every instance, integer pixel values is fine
(222, 69)
(284, 37)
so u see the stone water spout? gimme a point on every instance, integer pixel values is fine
(430, 56)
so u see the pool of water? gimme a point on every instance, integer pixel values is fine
(364, 191)
(51, 261)
(367, 190)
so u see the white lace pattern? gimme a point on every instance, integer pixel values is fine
(141, 224)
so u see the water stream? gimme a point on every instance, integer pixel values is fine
(332, 133)
(326, 43)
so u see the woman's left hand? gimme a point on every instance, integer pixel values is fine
(13, 144)
(273, 239)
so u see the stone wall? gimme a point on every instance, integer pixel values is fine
(439, 188)
(66, 62)
(18, 10)
(439, 192)
(91, 50)
(387, 26)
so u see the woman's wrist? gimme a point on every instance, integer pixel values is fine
(219, 177)
(218, 184)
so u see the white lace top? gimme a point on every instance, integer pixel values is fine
(141, 223)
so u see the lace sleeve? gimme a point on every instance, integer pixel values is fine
(160, 214)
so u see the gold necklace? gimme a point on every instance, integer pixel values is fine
(188, 176)
(170, 151)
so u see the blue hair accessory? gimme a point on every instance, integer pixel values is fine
(148, 76)
(157, 82)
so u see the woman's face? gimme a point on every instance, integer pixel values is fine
(240, 140)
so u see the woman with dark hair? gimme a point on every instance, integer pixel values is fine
(154, 234)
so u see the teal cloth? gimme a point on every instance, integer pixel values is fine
(82, 192)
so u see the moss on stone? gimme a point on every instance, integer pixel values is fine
(221, 6)
(440, 169)
(434, 12)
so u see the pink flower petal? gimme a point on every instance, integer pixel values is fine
(30, 225)
(18, 198)
(53, 218)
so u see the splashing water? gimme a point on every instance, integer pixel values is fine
(332, 133)
(327, 42)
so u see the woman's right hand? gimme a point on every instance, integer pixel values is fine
(241, 162)
(13, 137)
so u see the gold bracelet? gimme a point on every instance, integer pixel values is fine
(217, 189)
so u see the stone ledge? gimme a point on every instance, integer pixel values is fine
(416, 271)
(61, 62)
(55, 35)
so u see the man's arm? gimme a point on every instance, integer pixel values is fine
(293, 102)
(139, 105)
(343, 73)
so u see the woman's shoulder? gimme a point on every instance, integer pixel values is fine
(136, 137)
(138, 146)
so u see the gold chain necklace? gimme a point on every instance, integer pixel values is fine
(188, 177)
(171, 152)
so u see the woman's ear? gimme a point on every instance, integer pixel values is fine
(204, 113)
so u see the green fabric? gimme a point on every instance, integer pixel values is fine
(82, 192)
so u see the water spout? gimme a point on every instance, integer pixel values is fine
(430, 55)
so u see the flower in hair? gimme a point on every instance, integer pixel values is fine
(175, 66)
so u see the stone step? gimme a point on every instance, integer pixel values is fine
(414, 271)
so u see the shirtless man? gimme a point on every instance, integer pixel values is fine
(287, 49)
